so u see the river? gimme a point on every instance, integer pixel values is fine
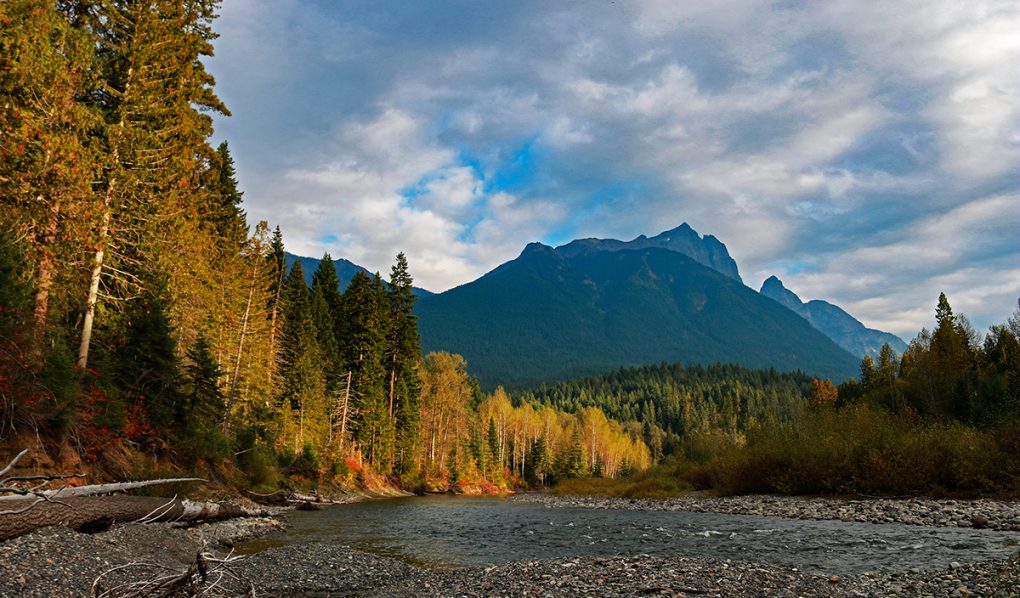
(443, 532)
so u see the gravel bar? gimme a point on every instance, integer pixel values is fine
(60, 562)
(982, 513)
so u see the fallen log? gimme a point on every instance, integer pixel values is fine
(97, 513)
(61, 493)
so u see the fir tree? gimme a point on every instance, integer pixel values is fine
(403, 355)
(203, 397)
(362, 341)
(303, 384)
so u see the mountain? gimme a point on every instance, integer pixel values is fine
(847, 331)
(706, 250)
(345, 270)
(591, 306)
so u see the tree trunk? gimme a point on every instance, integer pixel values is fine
(343, 418)
(95, 513)
(45, 276)
(104, 231)
(393, 383)
(240, 344)
(93, 296)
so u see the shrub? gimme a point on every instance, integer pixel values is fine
(862, 450)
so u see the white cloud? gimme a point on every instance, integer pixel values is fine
(360, 197)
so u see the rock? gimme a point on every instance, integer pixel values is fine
(979, 521)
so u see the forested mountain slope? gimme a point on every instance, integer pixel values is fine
(552, 314)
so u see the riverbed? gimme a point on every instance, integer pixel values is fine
(444, 532)
(544, 546)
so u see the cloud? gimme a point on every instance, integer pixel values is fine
(388, 187)
(875, 146)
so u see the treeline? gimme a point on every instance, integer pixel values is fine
(675, 403)
(946, 373)
(943, 418)
(468, 436)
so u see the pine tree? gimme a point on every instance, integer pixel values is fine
(325, 316)
(155, 96)
(495, 466)
(46, 165)
(363, 314)
(226, 214)
(204, 398)
(144, 363)
(303, 385)
(403, 357)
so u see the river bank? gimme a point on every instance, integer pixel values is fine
(981, 513)
(60, 562)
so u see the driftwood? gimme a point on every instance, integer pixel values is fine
(95, 489)
(96, 513)
(208, 576)
(29, 508)
(302, 502)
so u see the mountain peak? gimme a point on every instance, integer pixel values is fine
(846, 330)
(535, 247)
(772, 282)
(707, 251)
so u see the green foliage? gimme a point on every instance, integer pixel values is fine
(863, 450)
(144, 363)
(536, 466)
(199, 412)
(674, 402)
(307, 462)
(662, 481)
(945, 374)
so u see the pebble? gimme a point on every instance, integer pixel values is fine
(60, 562)
(999, 515)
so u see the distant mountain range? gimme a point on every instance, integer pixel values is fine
(595, 304)
(844, 329)
(345, 270)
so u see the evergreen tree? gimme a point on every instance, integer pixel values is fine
(495, 465)
(144, 363)
(227, 216)
(201, 407)
(303, 383)
(537, 463)
(362, 315)
(325, 316)
(46, 164)
(403, 355)
(154, 96)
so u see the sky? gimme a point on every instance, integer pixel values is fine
(866, 153)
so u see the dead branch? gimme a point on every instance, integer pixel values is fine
(95, 489)
(36, 491)
(209, 575)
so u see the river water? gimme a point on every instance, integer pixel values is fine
(441, 531)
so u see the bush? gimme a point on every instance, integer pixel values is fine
(862, 450)
(307, 462)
